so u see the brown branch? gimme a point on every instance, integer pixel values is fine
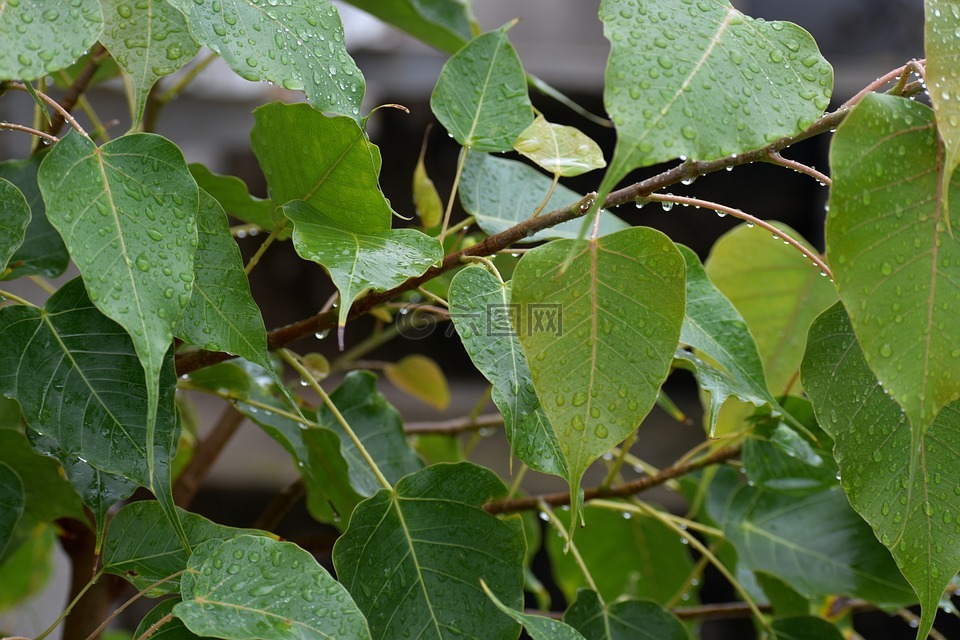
(282, 336)
(19, 86)
(79, 86)
(455, 426)
(280, 505)
(206, 453)
(530, 503)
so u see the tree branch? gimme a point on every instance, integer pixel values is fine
(206, 453)
(77, 89)
(455, 426)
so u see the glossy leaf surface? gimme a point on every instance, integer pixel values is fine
(444, 24)
(12, 502)
(232, 194)
(623, 620)
(42, 251)
(38, 37)
(47, 495)
(14, 219)
(173, 629)
(942, 48)
(559, 149)
(538, 627)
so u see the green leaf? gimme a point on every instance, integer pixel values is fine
(25, 571)
(255, 587)
(425, 197)
(41, 36)
(714, 327)
(538, 627)
(805, 628)
(297, 45)
(599, 337)
(561, 150)
(336, 168)
(481, 96)
(42, 251)
(148, 40)
(331, 494)
(942, 48)
(359, 261)
(98, 489)
(777, 292)
(623, 620)
(638, 557)
(906, 495)
(444, 24)
(48, 496)
(784, 599)
(143, 548)
(413, 558)
(81, 388)
(499, 193)
(480, 310)
(420, 377)
(221, 315)
(703, 81)
(172, 629)
(815, 543)
(12, 502)
(893, 255)
(232, 194)
(14, 219)
(127, 212)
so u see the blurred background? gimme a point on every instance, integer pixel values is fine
(561, 42)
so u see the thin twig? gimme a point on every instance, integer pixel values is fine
(455, 426)
(886, 78)
(96, 632)
(25, 129)
(280, 505)
(19, 86)
(799, 167)
(78, 88)
(156, 625)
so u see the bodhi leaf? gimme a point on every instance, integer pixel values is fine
(142, 547)
(48, 496)
(297, 44)
(561, 150)
(816, 543)
(38, 37)
(359, 261)
(600, 336)
(481, 96)
(148, 39)
(397, 562)
(14, 220)
(444, 24)
(255, 587)
(942, 48)
(426, 199)
(538, 627)
(420, 377)
(232, 194)
(703, 81)
(480, 310)
(622, 620)
(221, 315)
(500, 193)
(893, 255)
(336, 168)
(127, 212)
(42, 251)
(907, 496)
(11, 504)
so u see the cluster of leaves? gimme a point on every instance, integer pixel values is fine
(813, 369)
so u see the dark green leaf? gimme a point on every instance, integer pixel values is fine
(538, 627)
(172, 629)
(444, 24)
(623, 620)
(232, 194)
(336, 168)
(42, 251)
(359, 261)
(98, 489)
(149, 40)
(600, 337)
(38, 37)
(26, 570)
(639, 557)
(500, 193)
(14, 219)
(331, 494)
(142, 547)
(784, 599)
(12, 502)
(48, 496)
(805, 628)
(481, 96)
(703, 81)
(893, 255)
(297, 45)
(221, 315)
(255, 587)
(480, 310)
(413, 557)
(907, 495)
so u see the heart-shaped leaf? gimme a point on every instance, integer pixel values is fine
(421, 378)
(701, 80)
(42, 251)
(148, 40)
(481, 96)
(561, 150)
(42, 36)
(623, 620)
(14, 220)
(893, 255)
(907, 496)
(538, 627)
(359, 261)
(47, 495)
(480, 308)
(221, 315)
(232, 194)
(293, 43)
(233, 590)
(413, 558)
(600, 336)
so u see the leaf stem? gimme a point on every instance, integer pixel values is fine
(96, 632)
(822, 178)
(189, 76)
(737, 213)
(34, 132)
(70, 606)
(19, 86)
(453, 193)
(262, 249)
(15, 298)
(156, 625)
(546, 199)
(571, 547)
(466, 222)
(294, 361)
(79, 86)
